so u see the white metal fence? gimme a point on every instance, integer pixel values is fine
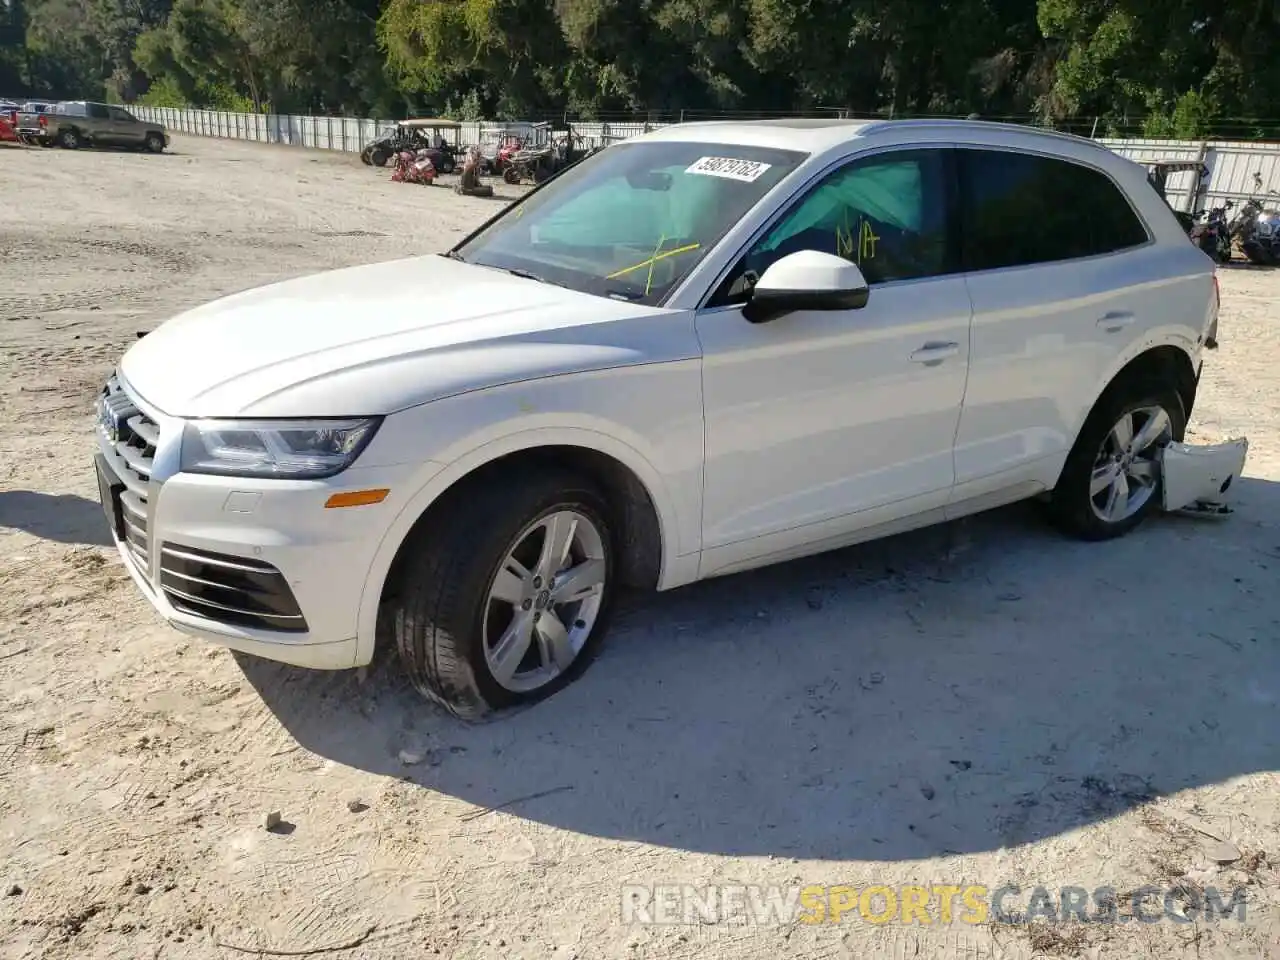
(349, 133)
(1237, 169)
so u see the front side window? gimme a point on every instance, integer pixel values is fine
(1023, 209)
(119, 113)
(631, 221)
(97, 111)
(888, 213)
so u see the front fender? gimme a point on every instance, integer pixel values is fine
(659, 441)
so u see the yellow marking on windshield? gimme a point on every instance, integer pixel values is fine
(652, 260)
(648, 281)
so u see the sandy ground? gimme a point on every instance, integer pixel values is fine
(986, 703)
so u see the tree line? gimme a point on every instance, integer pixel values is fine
(1159, 67)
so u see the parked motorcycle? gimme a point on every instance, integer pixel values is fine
(414, 168)
(1213, 233)
(1257, 229)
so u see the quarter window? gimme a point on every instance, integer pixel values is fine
(1022, 209)
(887, 213)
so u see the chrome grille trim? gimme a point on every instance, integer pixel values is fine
(232, 590)
(226, 608)
(168, 550)
(129, 439)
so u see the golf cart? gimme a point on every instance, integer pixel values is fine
(422, 133)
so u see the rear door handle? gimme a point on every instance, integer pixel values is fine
(933, 353)
(1115, 321)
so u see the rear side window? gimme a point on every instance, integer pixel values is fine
(1021, 209)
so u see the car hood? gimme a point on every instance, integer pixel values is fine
(379, 338)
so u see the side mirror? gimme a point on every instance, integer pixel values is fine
(807, 280)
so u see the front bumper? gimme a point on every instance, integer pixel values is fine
(259, 566)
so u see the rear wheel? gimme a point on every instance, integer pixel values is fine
(505, 601)
(69, 139)
(1111, 481)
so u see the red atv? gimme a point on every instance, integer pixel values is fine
(414, 168)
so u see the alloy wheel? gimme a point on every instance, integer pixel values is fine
(1126, 472)
(544, 600)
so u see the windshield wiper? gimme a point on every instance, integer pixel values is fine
(517, 272)
(454, 255)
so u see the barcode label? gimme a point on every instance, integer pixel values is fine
(744, 170)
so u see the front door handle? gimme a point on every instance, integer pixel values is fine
(1115, 321)
(933, 353)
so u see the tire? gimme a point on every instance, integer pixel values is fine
(1255, 254)
(154, 143)
(379, 157)
(69, 139)
(1074, 504)
(447, 622)
(511, 175)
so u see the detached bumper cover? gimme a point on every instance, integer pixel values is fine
(1200, 475)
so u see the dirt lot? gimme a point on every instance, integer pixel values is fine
(986, 703)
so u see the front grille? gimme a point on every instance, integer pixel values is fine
(227, 589)
(133, 437)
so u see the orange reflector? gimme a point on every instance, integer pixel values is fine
(356, 498)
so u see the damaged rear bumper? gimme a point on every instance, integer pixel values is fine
(1197, 477)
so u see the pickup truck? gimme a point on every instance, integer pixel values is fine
(26, 120)
(79, 123)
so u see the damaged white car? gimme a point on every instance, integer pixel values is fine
(707, 349)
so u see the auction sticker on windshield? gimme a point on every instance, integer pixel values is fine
(745, 170)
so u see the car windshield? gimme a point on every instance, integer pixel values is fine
(631, 221)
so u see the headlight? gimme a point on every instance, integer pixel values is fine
(285, 449)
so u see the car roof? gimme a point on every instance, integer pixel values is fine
(822, 135)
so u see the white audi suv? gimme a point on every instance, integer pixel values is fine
(710, 348)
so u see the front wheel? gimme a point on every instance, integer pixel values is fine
(511, 175)
(505, 600)
(155, 143)
(1111, 481)
(379, 156)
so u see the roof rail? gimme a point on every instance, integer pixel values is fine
(881, 126)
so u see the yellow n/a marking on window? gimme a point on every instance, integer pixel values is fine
(868, 246)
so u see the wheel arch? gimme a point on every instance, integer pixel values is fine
(1172, 361)
(1160, 362)
(629, 482)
